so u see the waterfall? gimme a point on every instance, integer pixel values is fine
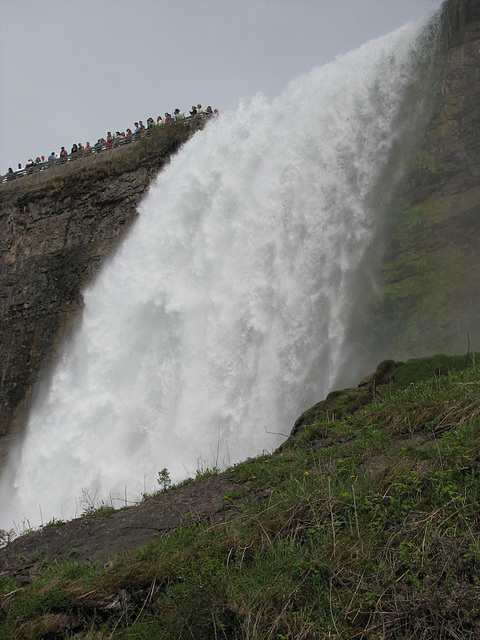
(224, 313)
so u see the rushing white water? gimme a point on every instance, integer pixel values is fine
(224, 313)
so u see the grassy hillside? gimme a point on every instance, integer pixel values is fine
(365, 524)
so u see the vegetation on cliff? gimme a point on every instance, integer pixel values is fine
(365, 524)
(430, 271)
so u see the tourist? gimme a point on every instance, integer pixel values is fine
(112, 140)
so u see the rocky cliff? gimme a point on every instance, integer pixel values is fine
(430, 275)
(56, 228)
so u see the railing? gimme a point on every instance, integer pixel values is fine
(96, 149)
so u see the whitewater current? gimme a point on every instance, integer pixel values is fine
(224, 313)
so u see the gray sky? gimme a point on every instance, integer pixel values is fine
(71, 70)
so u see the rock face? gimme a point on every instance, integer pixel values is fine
(430, 277)
(56, 229)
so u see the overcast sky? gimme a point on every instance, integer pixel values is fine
(71, 70)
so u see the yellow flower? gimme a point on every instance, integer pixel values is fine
(306, 473)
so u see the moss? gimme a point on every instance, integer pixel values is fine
(417, 370)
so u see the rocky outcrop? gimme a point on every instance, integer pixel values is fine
(57, 228)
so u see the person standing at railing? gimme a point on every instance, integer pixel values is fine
(178, 115)
(193, 112)
(159, 121)
(63, 154)
(98, 147)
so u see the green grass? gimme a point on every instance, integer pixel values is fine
(361, 526)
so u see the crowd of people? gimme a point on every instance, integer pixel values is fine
(103, 144)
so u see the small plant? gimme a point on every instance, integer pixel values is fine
(54, 522)
(164, 480)
(6, 537)
(93, 510)
(206, 472)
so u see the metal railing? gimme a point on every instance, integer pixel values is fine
(97, 148)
